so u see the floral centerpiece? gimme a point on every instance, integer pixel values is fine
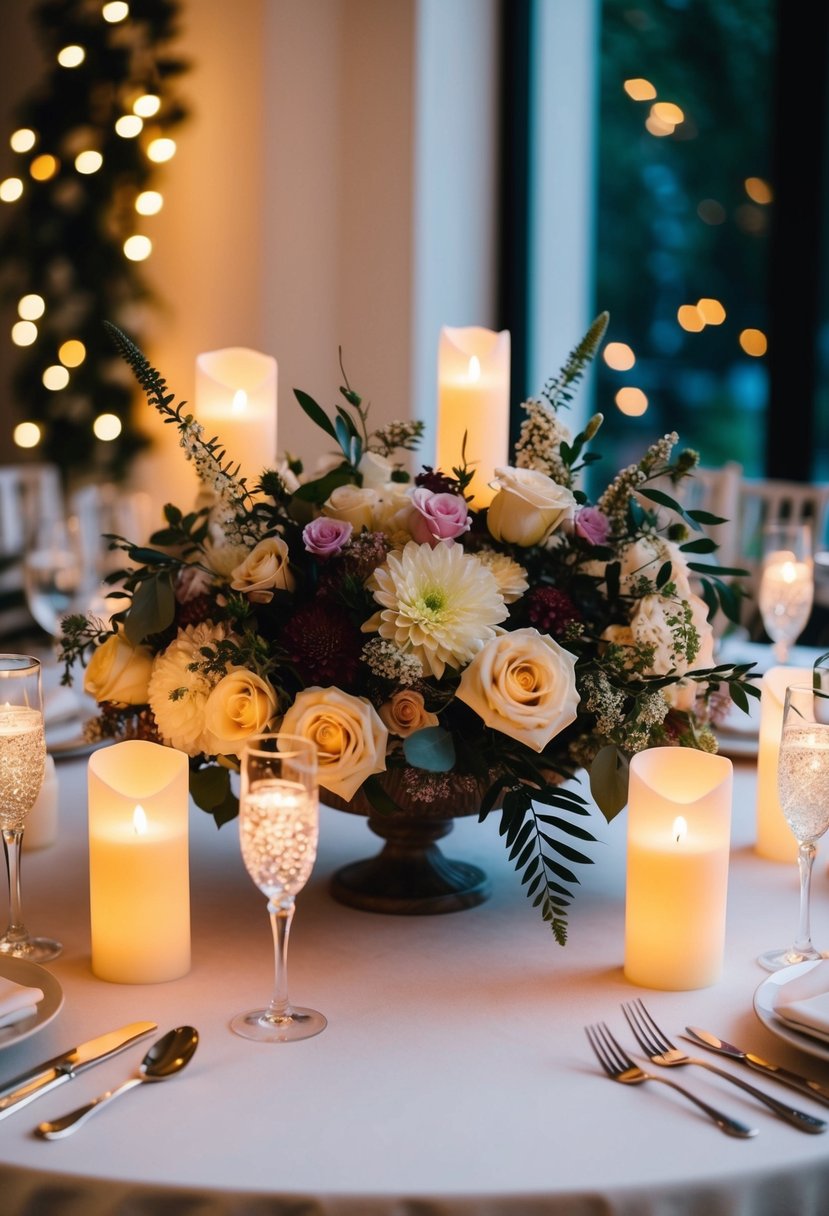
(433, 652)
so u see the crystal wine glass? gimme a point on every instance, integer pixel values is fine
(787, 584)
(278, 830)
(803, 785)
(22, 765)
(53, 572)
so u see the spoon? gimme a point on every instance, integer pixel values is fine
(167, 1056)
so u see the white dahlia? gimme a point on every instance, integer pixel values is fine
(442, 604)
(509, 575)
(178, 694)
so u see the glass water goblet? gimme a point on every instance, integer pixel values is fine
(787, 584)
(803, 786)
(22, 765)
(53, 573)
(278, 831)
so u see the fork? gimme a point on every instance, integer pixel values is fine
(619, 1067)
(660, 1050)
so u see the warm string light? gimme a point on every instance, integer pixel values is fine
(27, 435)
(71, 56)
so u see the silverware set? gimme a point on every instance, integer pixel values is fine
(661, 1051)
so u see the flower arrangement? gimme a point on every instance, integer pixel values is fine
(490, 653)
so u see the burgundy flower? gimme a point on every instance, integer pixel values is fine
(437, 482)
(551, 610)
(323, 644)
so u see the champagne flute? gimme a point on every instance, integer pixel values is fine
(22, 765)
(278, 830)
(787, 584)
(803, 785)
(53, 572)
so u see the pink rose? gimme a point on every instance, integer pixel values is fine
(324, 537)
(592, 525)
(437, 517)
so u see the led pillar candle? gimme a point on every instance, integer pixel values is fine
(139, 876)
(236, 402)
(679, 830)
(774, 836)
(473, 400)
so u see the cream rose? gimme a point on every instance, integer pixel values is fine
(528, 506)
(349, 735)
(119, 672)
(522, 684)
(644, 558)
(353, 504)
(240, 705)
(264, 570)
(405, 713)
(659, 622)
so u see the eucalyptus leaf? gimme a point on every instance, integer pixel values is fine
(609, 781)
(153, 609)
(431, 748)
(315, 412)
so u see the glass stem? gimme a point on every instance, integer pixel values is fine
(281, 915)
(12, 841)
(805, 858)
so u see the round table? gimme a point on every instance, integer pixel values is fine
(454, 1076)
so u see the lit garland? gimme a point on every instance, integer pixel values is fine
(79, 204)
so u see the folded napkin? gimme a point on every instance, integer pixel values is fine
(17, 1002)
(60, 705)
(802, 1002)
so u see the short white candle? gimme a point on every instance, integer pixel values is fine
(679, 826)
(473, 400)
(138, 863)
(774, 836)
(235, 401)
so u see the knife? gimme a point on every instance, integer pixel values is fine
(819, 1092)
(39, 1080)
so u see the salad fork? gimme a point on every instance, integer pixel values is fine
(619, 1067)
(660, 1050)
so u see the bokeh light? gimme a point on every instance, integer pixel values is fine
(55, 378)
(31, 307)
(754, 342)
(72, 353)
(161, 149)
(138, 247)
(71, 56)
(631, 401)
(23, 139)
(24, 333)
(619, 356)
(43, 167)
(149, 202)
(146, 105)
(11, 189)
(115, 11)
(89, 161)
(129, 125)
(639, 89)
(27, 434)
(690, 318)
(107, 427)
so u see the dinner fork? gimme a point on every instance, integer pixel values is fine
(619, 1067)
(660, 1050)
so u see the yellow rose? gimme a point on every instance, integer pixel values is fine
(119, 672)
(522, 684)
(349, 736)
(405, 713)
(528, 506)
(353, 504)
(240, 705)
(264, 570)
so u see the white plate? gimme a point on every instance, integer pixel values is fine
(764, 1008)
(31, 976)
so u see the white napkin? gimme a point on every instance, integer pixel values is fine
(60, 705)
(17, 1002)
(802, 1002)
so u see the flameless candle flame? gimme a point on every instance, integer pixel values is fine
(240, 401)
(474, 369)
(139, 821)
(680, 829)
(788, 571)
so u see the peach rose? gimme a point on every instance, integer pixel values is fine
(350, 737)
(405, 713)
(119, 672)
(522, 684)
(264, 570)
(528, 506)
(240, 705)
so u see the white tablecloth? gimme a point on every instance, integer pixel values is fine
(454, 1076)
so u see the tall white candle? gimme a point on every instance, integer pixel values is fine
(236, 392)
(679, 827)
(774, 836)
(473, 400)
(139, 882)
